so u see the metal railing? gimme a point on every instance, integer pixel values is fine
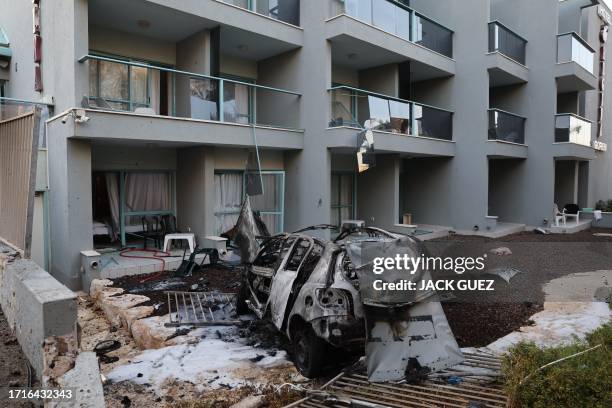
(571, 128)
(395, 17)
(287, 11)
(572, 47)
(507, 42)
(188, 95)
(506, 126)
(353, 107)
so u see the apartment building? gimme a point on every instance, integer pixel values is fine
(490, 112)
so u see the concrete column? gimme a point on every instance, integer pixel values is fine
(66, 39)
(193, 55)
(378, 193)
(70, 206)
(195, 191)
(307, 197)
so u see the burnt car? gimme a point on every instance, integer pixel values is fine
(310, 291)
(313, 291)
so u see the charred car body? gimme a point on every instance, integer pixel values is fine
(318, 293)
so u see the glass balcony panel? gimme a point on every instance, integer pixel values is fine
(391, 115)
(359, 9)
(402, 23)
(237, 103)
(378, 109)
(127, 86)
(239, 3)
(400, 117)
(139, 83)
(506, 42)
(113, 80)
(383, 15)
(283, 10)
(204, 99)
(572, 129)
(432, 122)
(506, 127)
(571, 48)
(433, 36)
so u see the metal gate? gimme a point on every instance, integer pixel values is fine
(18, 155)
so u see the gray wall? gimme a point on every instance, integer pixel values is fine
(378, 193)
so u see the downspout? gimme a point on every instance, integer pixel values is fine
(603, 37)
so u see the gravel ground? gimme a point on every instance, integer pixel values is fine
(13, 368)
(538, 258)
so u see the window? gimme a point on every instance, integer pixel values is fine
(238, 100)
(342, 196)
(230, 192)
(122, 87)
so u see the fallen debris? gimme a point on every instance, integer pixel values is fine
(501, 251)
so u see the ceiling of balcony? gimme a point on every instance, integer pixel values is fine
(168, 24)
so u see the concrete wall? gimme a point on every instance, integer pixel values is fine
(193, 55)
(131, 45)
(345, 76)
(70, 204)
(503, 188)
(377, 182)
(36, 305)
(108, 157)
(383, 79)
(424, 189)
(238, 67)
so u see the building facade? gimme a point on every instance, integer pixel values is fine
(492, 111)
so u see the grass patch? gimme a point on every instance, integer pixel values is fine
(581, 381)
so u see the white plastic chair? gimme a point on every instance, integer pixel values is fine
(559, 216)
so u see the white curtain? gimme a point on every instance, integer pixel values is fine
(236, 107)
(112, 188)
(228, 199)
(270, 201)
(146, 192)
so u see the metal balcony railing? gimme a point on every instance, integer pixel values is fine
(128, 86)
(505, 126)
(507, 42)
(395, 17)
(353, 107)
(571, 128)
(572, 47)
(287, 11)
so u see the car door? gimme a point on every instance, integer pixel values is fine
(283, 280)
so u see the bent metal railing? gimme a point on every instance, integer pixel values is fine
(137, 87)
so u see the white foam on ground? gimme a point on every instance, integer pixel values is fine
(209, 363)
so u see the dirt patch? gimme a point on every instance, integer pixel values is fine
(13, 363)
(208, 278)
(479, 324)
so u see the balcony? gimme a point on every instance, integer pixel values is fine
(573, 137)
(217, 110)
(506, 58)
(368, 33)
(575, 64)
(400, 125)
(257, 34)
(287, 11)
(507, 134)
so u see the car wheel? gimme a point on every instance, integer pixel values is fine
(309, 351)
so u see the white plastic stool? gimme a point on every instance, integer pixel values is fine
(189, 237)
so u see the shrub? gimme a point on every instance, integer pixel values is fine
(604, 205)
(581, 381)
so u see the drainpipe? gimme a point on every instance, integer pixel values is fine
(603, 37)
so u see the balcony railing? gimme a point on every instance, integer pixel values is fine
(128, 86)
(353, 107)
(571, 47)
(507, 42)
(395, 17)
(287, 11)
(506, 126)
(570, 128)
